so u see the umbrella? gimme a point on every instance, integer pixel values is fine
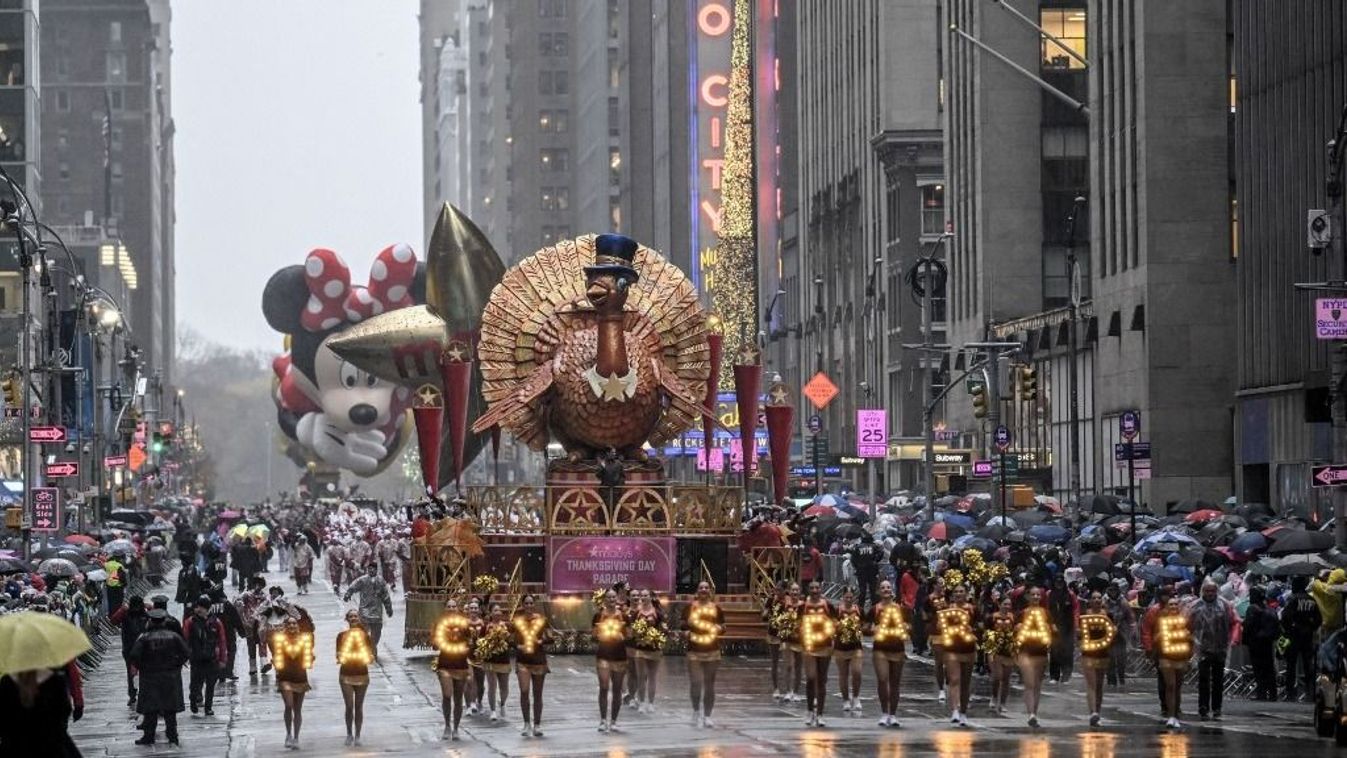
(1300, 541)
(1204, 515)
(1093, 563)
(80, 539)
(971, 542)
(31, 640)
(119, 546)
(959, 519)
(97, 575)
(159, 526)
(1049, 533)
(853, 512)
(1190, 556)
(1233, 520)
(1165, 540)
(1155, 574)
(1116, 551)
(1104, 504)
(828, 499)
(996, 532)
(139, 518)
(259, 530)
(12, 566)
(1185, 506)
(1249, 542)
(1029, 517)
(905, 551)
(825, 511)
(1295, 565)
(57, 567)
(1001, 521)
(847, 531)
(944, 530)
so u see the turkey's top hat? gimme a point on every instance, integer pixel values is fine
(613, 254)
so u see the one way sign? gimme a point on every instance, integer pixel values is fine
(62, 470)
(1329, 476)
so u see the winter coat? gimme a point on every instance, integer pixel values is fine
(189, 585)
(205, 639)
(159, 654)
(1260, 626)
(1301, 617)
(42, 729)
(133, 625)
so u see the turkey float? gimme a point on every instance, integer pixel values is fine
(598, 343)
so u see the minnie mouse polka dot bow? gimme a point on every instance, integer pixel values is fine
(333, 299)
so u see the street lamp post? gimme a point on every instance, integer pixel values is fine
(1073, 371)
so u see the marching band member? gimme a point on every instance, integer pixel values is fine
(705, 625)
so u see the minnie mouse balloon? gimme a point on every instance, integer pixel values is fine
(337, 412)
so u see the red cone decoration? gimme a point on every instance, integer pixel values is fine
(780, 428)
(456, 370)
(428, 413)
(747, 382)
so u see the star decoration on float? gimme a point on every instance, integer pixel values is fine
(748, 355)
(456, 352)
(778, 395)
(427, 396)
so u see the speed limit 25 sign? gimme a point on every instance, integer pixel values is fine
(872, 432)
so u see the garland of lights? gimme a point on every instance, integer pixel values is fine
(733, 275)
(891, 626)
(355, 649)
(449, 634)
(956, 629)
(1176, 643)
(1097, 633)
(298, 649)
(1034, 634)
(703, 630)
(816, 629)
(529, 629)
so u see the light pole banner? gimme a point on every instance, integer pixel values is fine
(872, 432)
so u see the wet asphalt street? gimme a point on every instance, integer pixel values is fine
(402, 717)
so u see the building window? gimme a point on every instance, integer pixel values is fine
(614, 167)
(115, 31)
(1067, 25)
(614, 118)
(544, 121)
(556, 44)
(553, 82)
(552, 8)
(615, 215)
(62, 101)
(614, 73)
(555, 160)
(549, 199)
(115, 97)
(932, 209)
(614, 19)
(1234, 93)
(64, 170)
(116, 66)
(560, 121)
(116, 170)
(115, 138)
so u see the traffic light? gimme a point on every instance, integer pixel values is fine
(979, 394)
(156, 443)
(11, 388)
(1028, 383)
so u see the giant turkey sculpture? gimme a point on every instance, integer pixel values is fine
(598, 343)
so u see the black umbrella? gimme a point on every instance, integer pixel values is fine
(1104, 504)
(848, 531)
(905, 551)
(12, 566)
(996, 532)
(1233, 520)
(1299, 541)
(1190, 556)
(1030, 517)
(980, 544)
(1185, 506)
(1093, 563)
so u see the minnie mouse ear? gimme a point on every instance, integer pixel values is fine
(284, 298)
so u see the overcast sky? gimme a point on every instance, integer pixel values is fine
(298, 126)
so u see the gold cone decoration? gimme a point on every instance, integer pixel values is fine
(404, 346)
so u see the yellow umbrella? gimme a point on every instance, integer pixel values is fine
(30, 640)
(240, 530)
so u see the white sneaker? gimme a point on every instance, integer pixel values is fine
(809, 719)
(612, 725)
(494, 717)
(526, 730)
(291, 740)
(537, 731)
(776, 695)
(846, 706)
(941, 697)
(819, 722)
(963, 719)
(357, 742)
(884, 720)
(1033, 721)
(448, 734)
(350, 740)
(473, 709)
(696, 719)
(454, 737)
(954, 717)
(603, 726)
(856, 706)
(1094, 719)
(707, 723)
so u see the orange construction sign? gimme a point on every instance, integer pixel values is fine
(820, 390)
(135, 458)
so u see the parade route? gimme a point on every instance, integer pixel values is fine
(402, 716)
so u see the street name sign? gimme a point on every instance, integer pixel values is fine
(1334, 475)
(47, 434)
(1330, 318)
(872, 432)
(46, 509)
(62, 470)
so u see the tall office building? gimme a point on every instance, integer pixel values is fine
(108, 153)
(869, 161)
(1153, 243)
(1289, 63)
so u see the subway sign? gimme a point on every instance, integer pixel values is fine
(954, 457)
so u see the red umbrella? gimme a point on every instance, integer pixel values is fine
(1232, 554)
(80, 539)
(1204, 515)
(1271, 530)
(943, 530)
(820, 510)
(964, 505)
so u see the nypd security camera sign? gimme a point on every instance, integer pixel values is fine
(1330, 318)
